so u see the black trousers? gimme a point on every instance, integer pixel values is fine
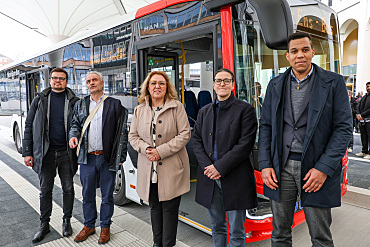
(365, 136)
(53, 161)
(356, 123)
(164, 217)
(350, 145)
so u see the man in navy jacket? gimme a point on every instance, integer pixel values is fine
(103, 147)
(305, 129)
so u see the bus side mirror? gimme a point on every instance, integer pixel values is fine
(276, 21)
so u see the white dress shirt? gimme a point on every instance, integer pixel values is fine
(95, 134)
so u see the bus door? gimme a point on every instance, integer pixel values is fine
(36, 81)
(23, 93)
(190, 57)
(32, 87)
(153, 60)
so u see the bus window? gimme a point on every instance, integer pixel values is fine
(254, 65)
(162, 63)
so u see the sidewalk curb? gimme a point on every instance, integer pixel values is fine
(357, 196)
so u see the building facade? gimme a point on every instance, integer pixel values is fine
(354, 24)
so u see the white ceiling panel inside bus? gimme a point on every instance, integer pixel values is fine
(60, 19)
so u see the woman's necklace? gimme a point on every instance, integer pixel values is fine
(158, 108)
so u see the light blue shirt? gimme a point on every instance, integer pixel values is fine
(297, 80)
(95, 134)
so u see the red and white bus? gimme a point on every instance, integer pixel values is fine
(189, 40)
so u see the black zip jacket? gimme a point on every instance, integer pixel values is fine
(36, 133)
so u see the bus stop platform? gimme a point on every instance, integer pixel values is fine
(19, 215)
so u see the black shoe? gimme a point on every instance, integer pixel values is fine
(67, 228)
(44, 229)
(157, 245)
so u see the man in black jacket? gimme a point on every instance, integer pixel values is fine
(363, 115)
(224, 136)
(103, 148)
(353, 103)
(46, 150)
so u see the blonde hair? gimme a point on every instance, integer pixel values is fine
(170, 92)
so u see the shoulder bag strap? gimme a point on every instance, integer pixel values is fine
(87, 122)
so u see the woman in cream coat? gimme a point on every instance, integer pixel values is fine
(159, 133)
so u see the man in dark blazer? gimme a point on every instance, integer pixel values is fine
(224, 136)
(305, 129)
(102, 148)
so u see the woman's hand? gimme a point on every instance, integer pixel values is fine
(152, 154)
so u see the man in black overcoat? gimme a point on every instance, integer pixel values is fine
(224, 136)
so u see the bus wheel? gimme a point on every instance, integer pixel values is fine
(17, 139)
(119, 193)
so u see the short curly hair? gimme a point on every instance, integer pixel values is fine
(299, 35)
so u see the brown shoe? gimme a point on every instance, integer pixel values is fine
(84, 234)
(104, 236)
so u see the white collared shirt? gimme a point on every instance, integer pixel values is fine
(95, 134)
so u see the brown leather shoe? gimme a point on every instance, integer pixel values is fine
(104, 236)
(84, 234)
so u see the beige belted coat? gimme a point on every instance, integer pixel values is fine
(173, 133)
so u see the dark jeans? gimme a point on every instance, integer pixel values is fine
(217, 215)
(365, 137)
(318, 219)
(53, 161)
(164, 217)
(97, 166)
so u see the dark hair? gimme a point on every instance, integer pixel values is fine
(299, 35)
(226, 70)
(367, 83)
(59, 70)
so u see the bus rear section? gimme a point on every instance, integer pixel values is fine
(192, 40)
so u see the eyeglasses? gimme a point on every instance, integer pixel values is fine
(225, 81)
(58, 78)
(160, 83)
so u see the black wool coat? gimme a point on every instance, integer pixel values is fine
(236, 133)
(364, 106)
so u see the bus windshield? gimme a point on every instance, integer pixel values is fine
(256, 64)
